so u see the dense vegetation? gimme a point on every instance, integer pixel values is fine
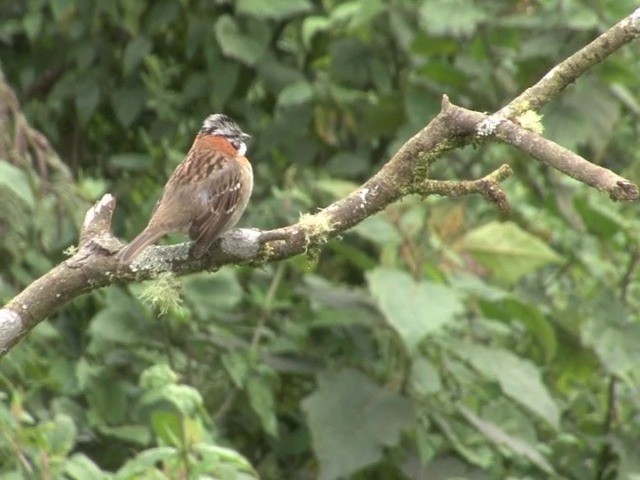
(437, 339)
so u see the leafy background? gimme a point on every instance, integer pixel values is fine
(433, 340)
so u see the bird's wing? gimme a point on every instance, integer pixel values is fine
(220, 194)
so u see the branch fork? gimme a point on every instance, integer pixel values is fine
(95, 264)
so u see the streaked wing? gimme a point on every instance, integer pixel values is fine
(221, 193)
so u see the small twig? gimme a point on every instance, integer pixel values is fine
(488, 186)
(607, 454)
(485, 127)
(567, 162)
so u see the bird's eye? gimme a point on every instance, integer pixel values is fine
(240, 146)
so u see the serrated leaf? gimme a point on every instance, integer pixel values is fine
(508, 251)
(273, 9)
(518, 378)
(351, 420)
(413, 309)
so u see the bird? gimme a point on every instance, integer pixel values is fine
(206, 194)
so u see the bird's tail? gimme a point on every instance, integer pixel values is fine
(144, 239)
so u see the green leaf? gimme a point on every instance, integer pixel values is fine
(209, 293)
(236, 364)
(312, 26)
(263, 403)
(295, 94)
(425, 378)
(518, 378)
(116, 323)
(32, 23)
(413, 309)
(138, 434)
(457, 18)
(508, 251)
(217, 456)
(86, 100)
(537, 324)
(185, 398)
(357, 13)
(62, 9)
(234, 43)
(157, 377)
(379, 230)
(351, 62)
(144, 464)
(614, 334)
(273, 9)
(131, 161)
(601, 218)
(61, 435)
(135, 51)
(167, 426)
(502, 439)
(586, 115)
(81, 467)
(17, 182)
(127, 104)
(351, 420)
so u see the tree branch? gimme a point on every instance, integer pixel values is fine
(95, 265)
(569, 70)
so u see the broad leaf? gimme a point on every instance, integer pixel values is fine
(209, 293)
(502, 439)
(263, 403)
(518, 378)
(273, 9)
(17, 182)
(237, 43)
(508, 251)
(351, 420)
(413, 309)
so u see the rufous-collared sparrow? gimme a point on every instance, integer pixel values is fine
(206, 194)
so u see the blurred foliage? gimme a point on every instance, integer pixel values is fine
(431, 341)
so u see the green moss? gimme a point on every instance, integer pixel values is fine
(164, 293)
